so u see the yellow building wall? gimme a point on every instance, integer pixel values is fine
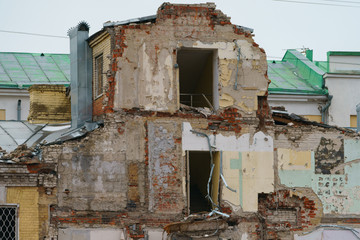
(353, 121)
(2, 114)
(231, 172)
(28, 199)
(258, 177)
(215, 178)
(49, 104)
(101, 45)
(294, 160)
(315, 118)
(249, 173)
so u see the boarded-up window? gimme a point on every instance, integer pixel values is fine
(98, 88)
(2, 114)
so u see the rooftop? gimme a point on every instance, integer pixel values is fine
(295, 74)
(21, 70)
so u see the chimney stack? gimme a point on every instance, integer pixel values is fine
(81, 75)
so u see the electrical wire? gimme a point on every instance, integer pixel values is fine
(317, 3)
(341, 1)
(33, 34)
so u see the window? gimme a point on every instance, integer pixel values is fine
(8, 222)
(198, 77)
(98, 88)
(2, 114)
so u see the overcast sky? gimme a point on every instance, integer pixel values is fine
(277, 25)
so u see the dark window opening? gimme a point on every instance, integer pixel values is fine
(98, 76)
(199, 167)
(197, 77)
(8, 222)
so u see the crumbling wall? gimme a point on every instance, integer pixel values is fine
(146, 73)
(247, 162)
(322, 160)
(94, 172)
(31, 185)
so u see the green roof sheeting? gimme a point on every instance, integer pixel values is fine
(295, 74)
(21, 70)
(323, 65)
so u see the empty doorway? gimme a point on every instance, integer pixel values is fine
(199, 168)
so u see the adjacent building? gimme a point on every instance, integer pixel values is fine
(342, 81)
(19, 71)
(322, 91)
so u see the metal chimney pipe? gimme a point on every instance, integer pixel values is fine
(81, 75)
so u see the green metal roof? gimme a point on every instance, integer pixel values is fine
(343, 53)
(295, 74)
(21, 70)
(323, 65)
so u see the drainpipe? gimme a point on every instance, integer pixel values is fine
(325, 108)
(358, 117)
(19, 110)
(237, 65)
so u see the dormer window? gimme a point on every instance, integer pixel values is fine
(99, 84)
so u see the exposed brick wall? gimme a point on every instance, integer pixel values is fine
(98, 106)
(228, 120)
(165, 167)
(288, 211)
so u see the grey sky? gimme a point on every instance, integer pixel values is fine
(277, 25)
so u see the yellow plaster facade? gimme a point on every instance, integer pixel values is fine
(258, 177)
(290, 159)
(28, 200)
(249, 173)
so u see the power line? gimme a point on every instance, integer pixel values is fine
(341, 1)
(317, 3)
(33, 34)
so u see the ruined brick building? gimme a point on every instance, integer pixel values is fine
(186, 143)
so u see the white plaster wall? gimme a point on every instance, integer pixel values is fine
(297, 107)
(9, 103)
(91, 234)
(260, 142)
(344, 64)
(345, 91)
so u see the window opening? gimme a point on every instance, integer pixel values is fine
(8, 222)
(198, 76)
(198, 176)
(99, 75)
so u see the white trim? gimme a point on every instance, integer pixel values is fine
(14, 92)
(341, 75)
(296, 98)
